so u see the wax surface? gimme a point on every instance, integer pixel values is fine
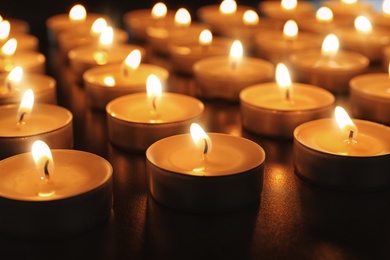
(323, 135)
(75, 173)
(43, 118)
(375, 85)
(170, 108)
(26, 59)
(303, 97)
(229, 155)
(377, 36)
(275, 40)
(195, 49)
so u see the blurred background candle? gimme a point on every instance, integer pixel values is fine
(205, 173)
(17, 25)
(63, 192)
(349, 9)
(343, 154)
(25, 41)
(284, 10)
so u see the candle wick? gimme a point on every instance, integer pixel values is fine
(46, 170)
(206, 147)
(154, 103)
(9, 85)
(350, 136)
(125, 72)
(22, 117)
(288, 96)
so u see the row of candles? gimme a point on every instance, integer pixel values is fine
(194, 172)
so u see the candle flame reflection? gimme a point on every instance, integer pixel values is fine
(345, 123)
(44, 162)
(324, 14)
(159, 10)
(228, 7)
(182, 17)
(250, 17)
(5, 28)
(25, 106)
(290, 30)
(289, 4)
(77, 13)
(362, 24)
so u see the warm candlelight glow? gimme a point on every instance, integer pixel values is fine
(205, 38)
(201, 139)
(345, 123)
(100, 57)
(9, 47)
(330, 45)
(289, 4)
(99, 25)
(154, 90)
(106, 37)
(159, 10)
(131, 62)
(290, 30)
(362, 24)
(14, 77)
(182, 17)
(5, 28)
(25, 106)
(386, 7)
(349, 1)
(236, 53)
(283, 79)
(324, 15)
(250, 17)
(44, 161)
(228, 7)
(78, 13)
(109, 81)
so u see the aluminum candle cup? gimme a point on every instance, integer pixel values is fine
(49, 123)
(30, 61)
(80, 195)
(370, 97)
(85, 57)
(265, 110)
(44, 88)
(274, 10)
(99, 92)
(216, 78)
(133, 126)
(185, 52)
(323, 157)
(333, 74)
(231, 178)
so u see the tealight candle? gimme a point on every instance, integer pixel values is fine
(225, 76)
(29, 60)
(137, 21)
(364, 39)
(17, 25)
(25, 41)
(107, 82)
(383, 18)
(14, 83)
(286, 9)
(159, 37)
(275, 110)
(206, 173)
(185, 52)
(20, 126)
(370, 97)
(63, 192)
(353, 156)
(277, 45)
(137, 120)
(329, 67)
(76, 16)
(223, 16)
(349, 8)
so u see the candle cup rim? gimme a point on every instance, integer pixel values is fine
(354, 86)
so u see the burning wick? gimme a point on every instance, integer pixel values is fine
(46, 170)
(21, 117)
(206, 147)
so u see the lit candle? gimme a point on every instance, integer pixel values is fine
(137, 120)
(20, 127)
(286, 9)
(275, 109)
(16, 82)
(160, 38)
(350, 155)
(370, 97)
(17, 25)
(107, 82)
(25, 41)
(225, 76)
(185, 52)
(329, 67)
(349, 9)
(63, 192)
(137, 21)
(184, 173)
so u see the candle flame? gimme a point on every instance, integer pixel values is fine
(98, 25)
(43, 160)
(153, 89)
(362, 24)
(107, 36)
(386, 7)
(9, 47)
(205, 38)
(5, 28)
(200, 138)
(330, 45)
(290, 30)
(159, 10)
(25, 106)
(289, 4)
(182, 17)
(228, 7)
(283, 79)
(236, 53)
(324, 14)
(78, 13)
(345, 123)
(250, 17)
(109, 81)
(349, 1)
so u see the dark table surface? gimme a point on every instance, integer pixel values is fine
(293, 220)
